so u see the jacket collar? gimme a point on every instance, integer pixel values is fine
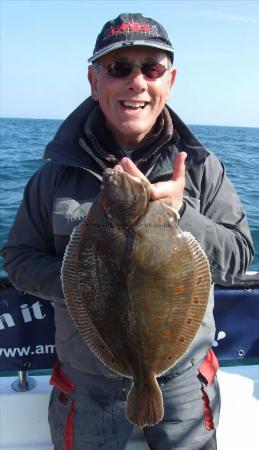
(65, 148)
(101, 145)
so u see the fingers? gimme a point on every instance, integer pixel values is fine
(131, 168)
(175, 186)
(178, 172)
(161, 190)
(170, 191)
(119, 168)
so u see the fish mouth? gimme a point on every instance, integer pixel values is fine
(110, 176)
(113, 177)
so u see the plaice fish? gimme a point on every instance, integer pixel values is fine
(136, 287)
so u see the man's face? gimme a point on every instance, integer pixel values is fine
(131, 104)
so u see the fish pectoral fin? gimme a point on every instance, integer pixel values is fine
(145, 404)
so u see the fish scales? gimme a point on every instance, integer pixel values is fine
(136, 287)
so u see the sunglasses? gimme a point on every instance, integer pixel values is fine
(122, 69)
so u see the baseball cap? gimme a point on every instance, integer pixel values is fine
(130, 30)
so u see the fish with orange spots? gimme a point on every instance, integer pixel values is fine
(136, 287)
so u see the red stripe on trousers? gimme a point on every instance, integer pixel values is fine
(208, 370)
(59, 380)
(69, 429)
(208, 417)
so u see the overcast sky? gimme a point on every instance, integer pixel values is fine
(45, 46)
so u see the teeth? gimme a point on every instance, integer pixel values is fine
(134, 104)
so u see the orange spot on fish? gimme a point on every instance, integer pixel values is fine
(159, 220)
(196, 300)
(188, 321)
(141, 256)
(174, 249)
(152, 283)
(199, 280)
(179, 289)
(157, 320)
(166, 333)
(146, 305)
(181, 339)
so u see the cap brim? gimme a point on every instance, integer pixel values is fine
(124, 44)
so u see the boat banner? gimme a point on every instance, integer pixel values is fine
(236, 314)
(27, 331)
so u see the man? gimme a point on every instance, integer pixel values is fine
(126, 125)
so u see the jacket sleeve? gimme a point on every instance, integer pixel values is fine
(220, 226)
(29, 255)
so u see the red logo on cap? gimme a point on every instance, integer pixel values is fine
(130, 26)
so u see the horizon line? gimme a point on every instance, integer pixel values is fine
(188, 123)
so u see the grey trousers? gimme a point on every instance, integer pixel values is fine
(87, 412)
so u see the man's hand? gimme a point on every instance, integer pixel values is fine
(170, 192)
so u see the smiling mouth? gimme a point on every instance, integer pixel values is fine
(133, 106)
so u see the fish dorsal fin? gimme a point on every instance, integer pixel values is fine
(75, 302)
(201, 262)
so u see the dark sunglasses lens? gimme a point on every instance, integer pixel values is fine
(119, 69)
(153, 71)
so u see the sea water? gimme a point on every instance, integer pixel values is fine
(23, 142)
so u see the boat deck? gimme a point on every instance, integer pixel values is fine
(24, 426)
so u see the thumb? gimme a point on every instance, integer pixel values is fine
(179, 167)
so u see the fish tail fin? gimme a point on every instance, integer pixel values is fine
(145, 404)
